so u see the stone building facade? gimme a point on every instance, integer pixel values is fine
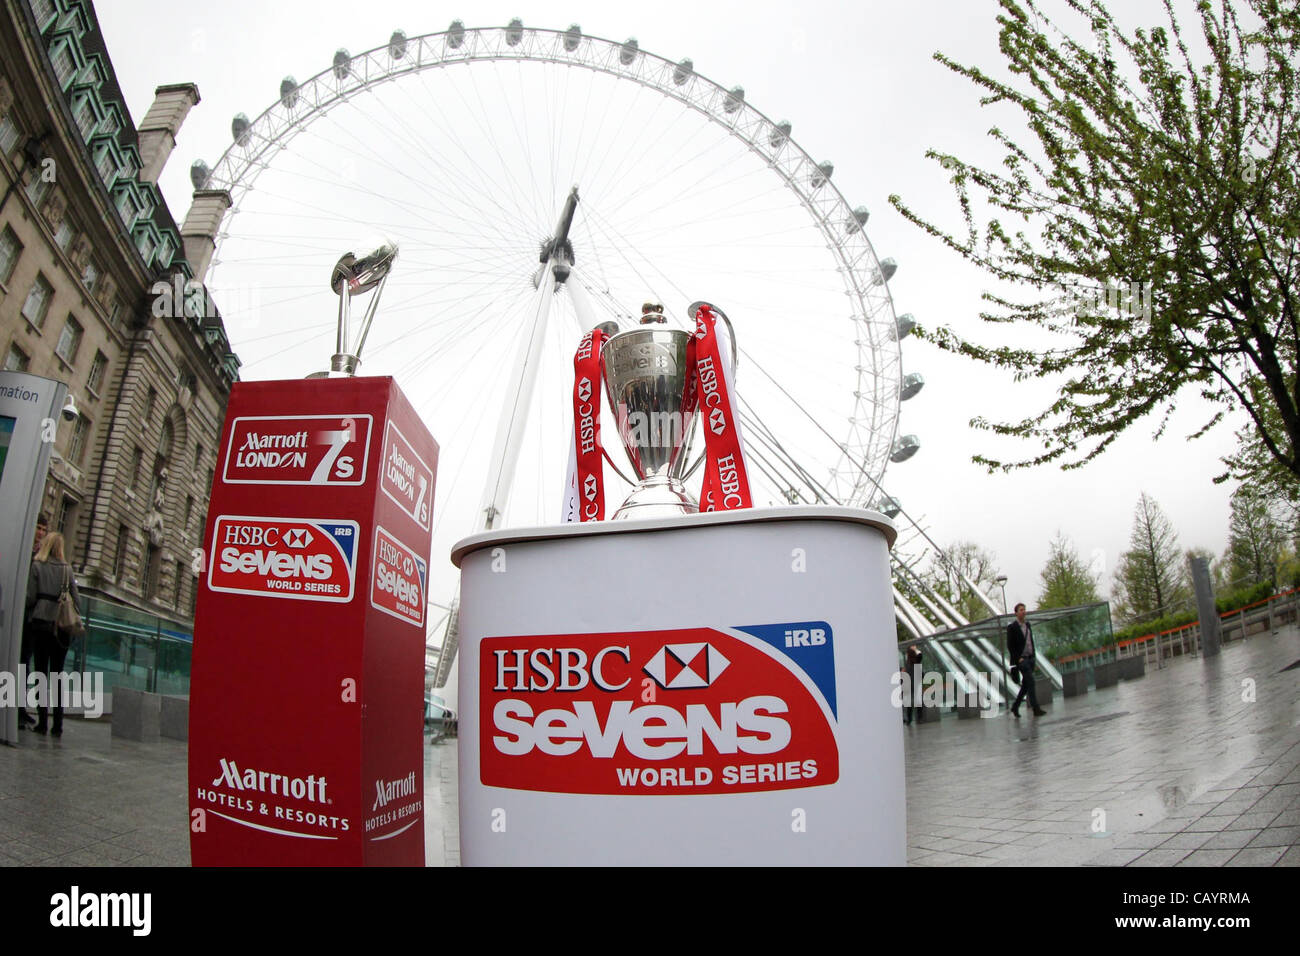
(96, 291)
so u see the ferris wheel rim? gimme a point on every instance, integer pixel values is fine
(240, 165)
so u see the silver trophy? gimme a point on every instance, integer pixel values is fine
(653, 395)
(353, 276)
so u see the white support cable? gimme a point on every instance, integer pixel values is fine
(919, 591)
(919, 620)
(955, 614)
(902, 618)
(957, 665)
(991, 668)
(980, 594)
(514, 411)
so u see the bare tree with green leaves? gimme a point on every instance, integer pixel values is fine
(962, 561)
(1256, 541)
(1153, 216)
(1067, 579)
(1151, 578)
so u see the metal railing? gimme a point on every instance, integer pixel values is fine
(1185, 640)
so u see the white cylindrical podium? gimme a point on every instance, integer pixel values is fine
(709, 689)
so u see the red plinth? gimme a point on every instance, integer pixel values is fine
(307, 685)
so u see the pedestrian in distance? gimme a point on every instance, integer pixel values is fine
(51, 574)
(27, 645)
(1020, 648)
(913, 671)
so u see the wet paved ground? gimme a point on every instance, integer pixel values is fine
(1172, 769)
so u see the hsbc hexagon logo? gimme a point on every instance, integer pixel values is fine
(297, 538)
(589, 487)
(678, 666)
(717, 421)
(584, 389)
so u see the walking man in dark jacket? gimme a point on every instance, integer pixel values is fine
(1020, 648)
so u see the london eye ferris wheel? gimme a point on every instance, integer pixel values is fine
(463, 147)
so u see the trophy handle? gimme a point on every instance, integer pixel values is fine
(731, 331)
(617, 470)
(735, 363)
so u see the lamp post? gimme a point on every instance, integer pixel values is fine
(1001, 582)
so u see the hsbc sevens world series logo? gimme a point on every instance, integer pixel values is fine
(686, 711)
(306, 559)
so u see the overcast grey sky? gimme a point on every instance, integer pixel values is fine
(861, 87)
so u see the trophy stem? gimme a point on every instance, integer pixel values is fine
(657, 497)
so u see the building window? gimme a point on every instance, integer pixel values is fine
(198, 459)
(69, 341)
(67, 520)
(17, 360)
(64, 234)
(8, 135)
(43, 11)
(150, 403)
(126, 207)
(165, 250)
(38, 188)
(144, 243)
(65, 66)
(115, 314)
(179, 585)
(38, 301)
(119, 557)
(159, 465)
(10, 250)
(97, 369)
(89, 276)
(106, 165)
(137, 462)
(77, 447)
(83, 113)
(189, 511)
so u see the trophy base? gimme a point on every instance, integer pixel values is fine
(657, 498)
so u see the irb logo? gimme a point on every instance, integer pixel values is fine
(805, 637)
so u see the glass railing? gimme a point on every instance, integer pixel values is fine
(132, 649)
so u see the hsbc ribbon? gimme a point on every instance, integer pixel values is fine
(726, 481)
(584, 490)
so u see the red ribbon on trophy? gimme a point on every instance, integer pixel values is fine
(726, 480)
(584, 489)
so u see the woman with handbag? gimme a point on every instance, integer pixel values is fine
(52, 601)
